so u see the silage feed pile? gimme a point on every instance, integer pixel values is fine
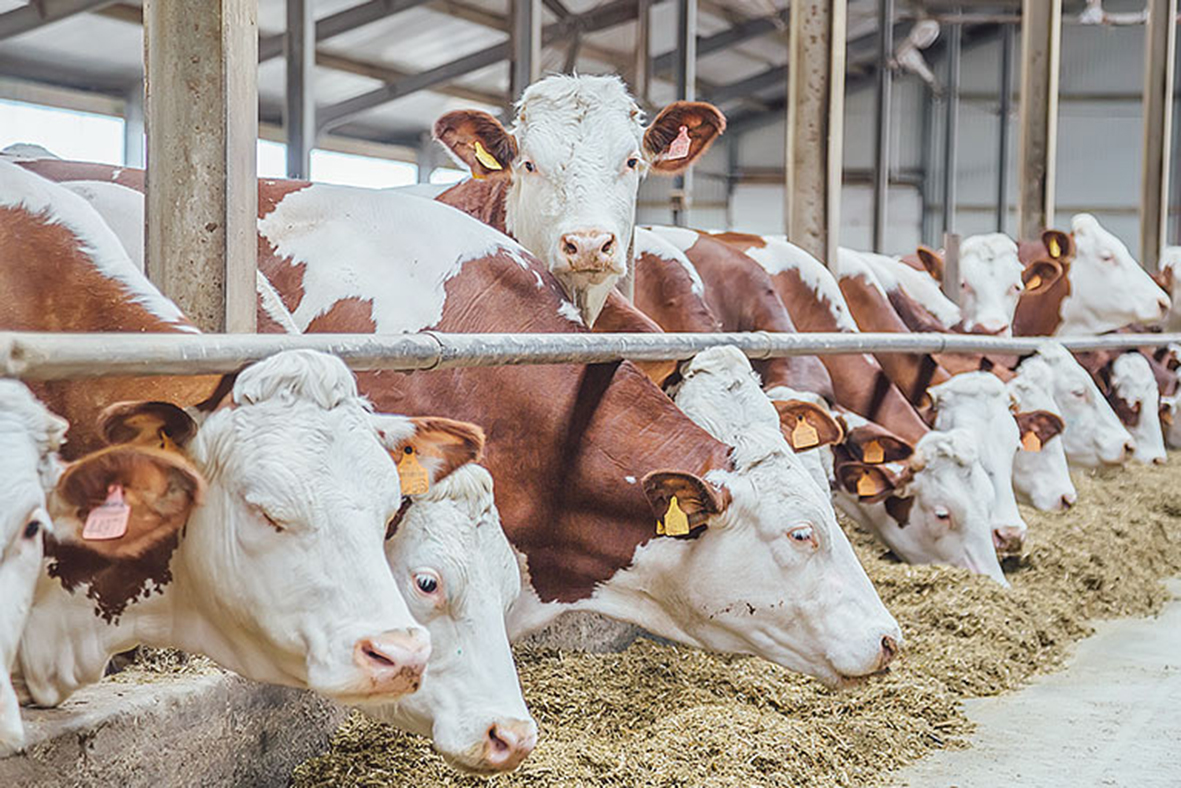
(666, 716)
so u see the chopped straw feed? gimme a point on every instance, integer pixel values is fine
(670, 716)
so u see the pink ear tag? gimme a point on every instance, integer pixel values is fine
(679, 148)
(109, 519)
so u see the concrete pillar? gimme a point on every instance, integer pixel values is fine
(1006, 108)
(526, 34)
(133, 127)
(1041, 34)
(201, 107)
(299, 107)
(881, 161)
(815, 126)
(685, 77)
(951, 125)
(1159, 51)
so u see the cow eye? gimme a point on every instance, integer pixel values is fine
(632, 163)
(529, 166)
(426, 582)
(805, 534)
(1079, 393)
(32, 528)
(942, 514)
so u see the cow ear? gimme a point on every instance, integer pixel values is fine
(1037, 427)
(682, 501)
(1059, 244)
(159, 424)
(1039, 275)
(680, 134)
(932, 261)
(807, 425)
(876, 446)
(477, 140)
(870, 483)
(122, 501)
(427, 449)
(1164, 279)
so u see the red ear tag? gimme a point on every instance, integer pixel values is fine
(109, 519)
(679, 148)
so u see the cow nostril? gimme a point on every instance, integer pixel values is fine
(1067, 502)
(377, 657)
(497, 744)
(569, 248)
(608, 247)
(1129, 449)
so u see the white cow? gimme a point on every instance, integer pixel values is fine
(990, 283)
(1136, 398)
(255, 538)
(1093, 434)
(1041, 475)
(573, 162)
(29, 439)
(460, 576)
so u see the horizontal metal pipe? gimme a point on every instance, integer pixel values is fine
(54, 356)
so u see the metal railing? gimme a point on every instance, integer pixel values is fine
(58, 356)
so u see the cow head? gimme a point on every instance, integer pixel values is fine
(258, 541)
(1093, 434)
(990, 283)
(1136, 398)
(766, 570)
(1108, 288)
(933, 509)
(1041, 476)
(29, 439)
(459, 576)
(575, 158)
(978, 401)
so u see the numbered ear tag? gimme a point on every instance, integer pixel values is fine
(804, 436)
(675, 523)
(866, 486)
(873, 453)
(679, 148)
(1031, 442)
(1034, 282)
(109, 519)
(1055, 249)
(486, 158)
(414, 478)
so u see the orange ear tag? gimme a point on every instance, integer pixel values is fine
(873, 453)
(414, 478)
(1034, 282)
(676, 522)
(1031, 442)
(109, 519)
(866, 486)
(679, 148)
(804, 436)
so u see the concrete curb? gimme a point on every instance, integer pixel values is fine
(213, 729)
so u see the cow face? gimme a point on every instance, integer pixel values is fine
(575, 159)
(29, 438)
(1041, 476)
(770, 572)
(990, 283)
(459, 576)
(1167, 278)
(1108, 288)
(978, 401)
(1136, 399)
(277, 572)
(1093, 435)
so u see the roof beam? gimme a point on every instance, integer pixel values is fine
(340, 22)
(773, 77)
(34, 15)
(727, 38)
(599, 18)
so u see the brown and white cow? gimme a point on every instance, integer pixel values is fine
(564, 180)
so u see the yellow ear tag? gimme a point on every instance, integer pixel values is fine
(413, 476)
(166, 442)
(866, 486)
(1031, 442)
(804, 436)
(1034, 282)
(1055, 248)
(676, 522)
(486, 158)
(873, 453)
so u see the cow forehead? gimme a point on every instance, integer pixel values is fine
(1131, 373)
(571, 117)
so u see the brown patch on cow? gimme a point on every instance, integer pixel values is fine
(664, 292)
(807, 425)
(1039, 309)
(1128, 413)
(461, 130)
(1042, 423)
(899, 509)
(159, 424)
(873, 444)
(284, 274)
(446, 444)
(697, 498)
(914, 315)
(355, 311)
(741, 241)
(703, 122)
(483, 200)
(63, 171)
(620, 317)
(870, 483)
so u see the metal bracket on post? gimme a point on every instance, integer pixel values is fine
(951, 267)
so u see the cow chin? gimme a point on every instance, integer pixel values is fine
(588, 290)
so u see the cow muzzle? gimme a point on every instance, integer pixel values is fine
(1008, 540)
(393, 662)
(592, 250)
(507, 743)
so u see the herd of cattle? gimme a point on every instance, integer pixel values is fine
(285, 523)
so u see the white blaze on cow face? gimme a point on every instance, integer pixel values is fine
(1093, 435)
(1108, 288)
(1135, 392)
(29, 438)
(978, 401)
(772, 574)
(459, 576)
(576, 155)
(1041, 478)
(990, 283)
(280, 573)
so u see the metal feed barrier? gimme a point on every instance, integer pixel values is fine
(57, 356)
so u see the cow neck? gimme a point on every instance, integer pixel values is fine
(743, 297)
(665, 292)
(486, 200)
(1040, 314)
(568, 445)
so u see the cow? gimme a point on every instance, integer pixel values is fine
(29, 439)
(564, 180)
(1130, 386)
(1041, 475)
(1167, 278)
